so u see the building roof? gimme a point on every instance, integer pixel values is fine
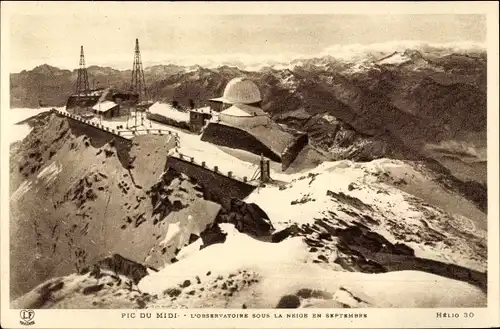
(273, 136)
(242, 110)
(104, 106)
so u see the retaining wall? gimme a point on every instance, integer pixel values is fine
(218, 187)
(291, 152)
(99, 136)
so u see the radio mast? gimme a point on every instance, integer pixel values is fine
(82, 82)
(138, 82)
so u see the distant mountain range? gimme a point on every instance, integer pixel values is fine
(416, 97)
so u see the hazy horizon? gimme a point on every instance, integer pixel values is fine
(224, 39)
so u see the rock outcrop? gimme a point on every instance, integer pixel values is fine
(119, 265)
(248, 218)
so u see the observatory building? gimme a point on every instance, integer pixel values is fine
(242, 124)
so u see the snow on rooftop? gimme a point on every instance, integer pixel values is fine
(272, 135)
(104, 106)
(235, 111)
(242, 110)
(168, 111)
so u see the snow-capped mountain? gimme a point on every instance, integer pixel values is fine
(410, 59)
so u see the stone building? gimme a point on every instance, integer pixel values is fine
(242, 124)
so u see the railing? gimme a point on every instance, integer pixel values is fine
(88, 122)
(122, 132)
(214, 169)
(176, 154)
(150, 131)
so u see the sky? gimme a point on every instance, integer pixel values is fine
(108, 38)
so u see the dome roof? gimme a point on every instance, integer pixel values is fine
(240, 91)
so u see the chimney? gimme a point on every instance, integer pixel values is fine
(265, 172)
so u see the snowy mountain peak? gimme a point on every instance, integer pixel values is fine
(410, 59)
(413, 54)
(396, 58)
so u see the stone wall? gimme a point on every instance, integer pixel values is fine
(218, 187)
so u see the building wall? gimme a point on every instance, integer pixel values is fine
(111, 113)
(115, 111)
(196, 121)
(217, 187)
(215, 106)
(251, 121)
(291, 152)
(224, 135)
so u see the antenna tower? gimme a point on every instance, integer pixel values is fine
(138, 83)
(82, 83)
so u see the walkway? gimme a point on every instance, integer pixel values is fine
(114, 126)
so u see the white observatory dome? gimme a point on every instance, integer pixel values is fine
(240, 91)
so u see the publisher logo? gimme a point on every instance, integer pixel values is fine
(27, 317)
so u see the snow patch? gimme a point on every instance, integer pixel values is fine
(329, 118)
(239, 251)
(50, 173)
(21, 190)
(394, 59)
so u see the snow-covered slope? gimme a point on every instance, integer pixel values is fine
(324, 203)
(257, 274)
(349, 218)
(435, 222)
